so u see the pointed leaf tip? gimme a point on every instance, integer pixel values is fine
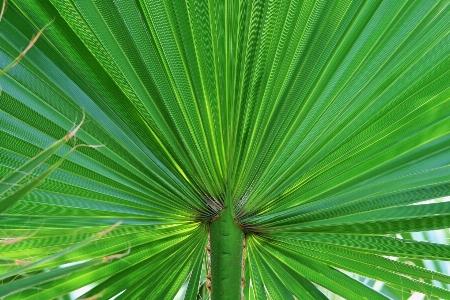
(115, 256)
(11, 241)
(30, 45)
(3, 9)
(20, 262)
(73, 132)
(103, 233)
(33, 41)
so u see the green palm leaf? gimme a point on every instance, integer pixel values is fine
(313, 128)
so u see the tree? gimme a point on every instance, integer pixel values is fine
(291, 140)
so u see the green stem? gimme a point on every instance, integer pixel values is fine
(226, 241)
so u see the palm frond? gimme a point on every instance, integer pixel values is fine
(322, 124)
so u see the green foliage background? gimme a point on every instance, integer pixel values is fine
(322, 121)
